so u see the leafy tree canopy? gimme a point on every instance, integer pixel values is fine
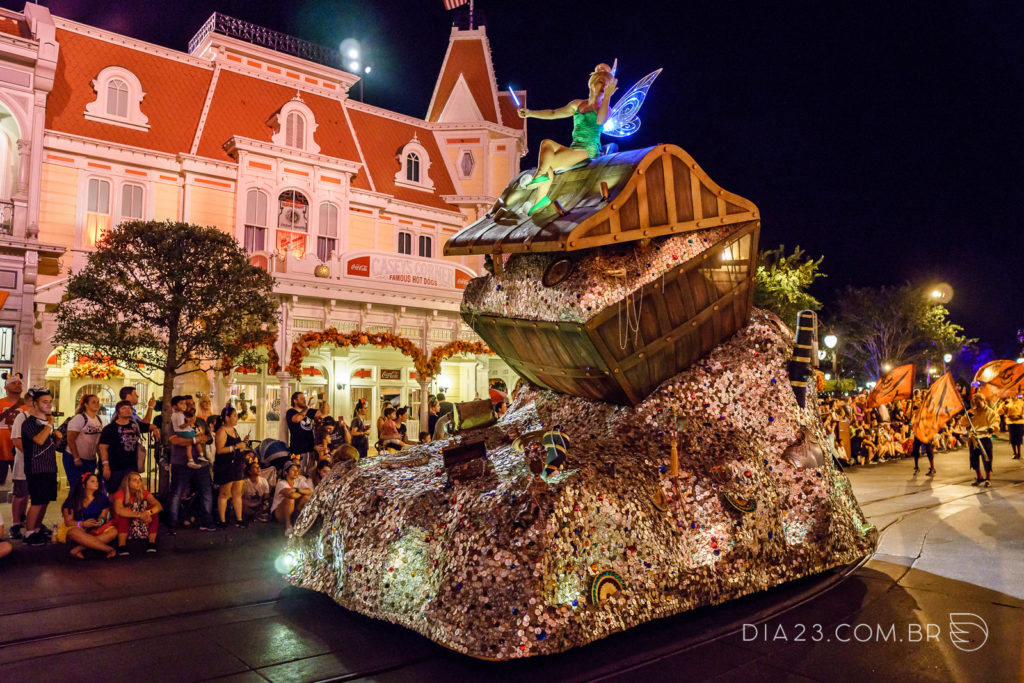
(782, 281)
(893, 324)
(163, 295)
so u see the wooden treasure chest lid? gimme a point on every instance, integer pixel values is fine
(612, 199)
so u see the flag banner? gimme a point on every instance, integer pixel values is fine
(941, 402)
(1014, 383)
(994, 379)
(452, 4)
(897, 385)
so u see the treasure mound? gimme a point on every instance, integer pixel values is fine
(657, 460)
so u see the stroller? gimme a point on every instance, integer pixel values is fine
(271, 452)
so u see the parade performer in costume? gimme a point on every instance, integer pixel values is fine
(588, 119)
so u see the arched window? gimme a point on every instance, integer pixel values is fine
(292, 222)
(327, 241)
(412, 167)
(295, 131)
(405, 243)
(255, 221)
(117, 98)
(426, 246)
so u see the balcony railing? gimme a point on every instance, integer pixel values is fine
(6, 218)
(265, 37)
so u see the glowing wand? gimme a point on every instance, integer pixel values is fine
(514, 98)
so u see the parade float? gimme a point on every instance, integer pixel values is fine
(654, 460)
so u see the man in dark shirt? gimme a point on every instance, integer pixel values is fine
(446, 406)
(119, 446)
(300, 432)
(184, 477)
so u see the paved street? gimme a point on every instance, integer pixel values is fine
(210, 606)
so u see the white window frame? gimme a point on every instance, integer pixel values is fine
(282, 136)
(98, 109)
(254, 224)
(91, 231)
(419, 245)
(401, 177)
(398, 240)
(142, 202)
(326, 233)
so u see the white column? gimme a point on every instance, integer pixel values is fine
(285, 379)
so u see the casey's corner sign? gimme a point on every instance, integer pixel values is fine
(408, 270)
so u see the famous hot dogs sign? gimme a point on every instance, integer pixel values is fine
(408, 270)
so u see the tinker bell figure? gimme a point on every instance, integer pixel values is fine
(590, 117)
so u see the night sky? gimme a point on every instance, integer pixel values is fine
(885, 136)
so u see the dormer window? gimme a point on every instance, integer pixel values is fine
(118, 98)
(294, 126)
(414, 166)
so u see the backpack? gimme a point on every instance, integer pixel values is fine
(61, 433)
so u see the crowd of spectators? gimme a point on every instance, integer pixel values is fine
(208, 476)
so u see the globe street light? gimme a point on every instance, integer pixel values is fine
(887, 367)
(947, 358)
(831, 340)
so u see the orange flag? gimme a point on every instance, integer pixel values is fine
(997, 378)
(1015, 382)
(898, 384)
(941, 402)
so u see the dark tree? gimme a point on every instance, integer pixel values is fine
(165, 296)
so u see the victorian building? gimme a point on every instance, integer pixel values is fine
(347, 205)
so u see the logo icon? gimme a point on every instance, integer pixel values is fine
(968, 632)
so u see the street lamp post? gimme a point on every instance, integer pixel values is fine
(831, 340)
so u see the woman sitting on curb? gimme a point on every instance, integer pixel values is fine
(136, 513)
(88, 521)
(290, 495)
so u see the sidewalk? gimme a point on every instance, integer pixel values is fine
(210, 606)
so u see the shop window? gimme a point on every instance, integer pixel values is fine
(255, 221)
(405, 243)
(118, 100)
(292, 223)
(426, 246)
(97, 216)
(131, 202)
(327, 240)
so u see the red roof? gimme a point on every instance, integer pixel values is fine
(468, 57)
(175, 92)
(381, 137)
(242, 105)
(508, 108)
(13, 27)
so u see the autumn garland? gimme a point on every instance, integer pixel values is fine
(273, 360)
(92, 369)
(426, 368)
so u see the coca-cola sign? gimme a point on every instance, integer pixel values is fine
(408, 270)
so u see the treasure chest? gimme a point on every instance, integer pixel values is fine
(631, 198)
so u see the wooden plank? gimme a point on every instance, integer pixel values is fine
(641, 197)
(695, 202)
(669, 184)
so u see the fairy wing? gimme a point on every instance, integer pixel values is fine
(622, 120)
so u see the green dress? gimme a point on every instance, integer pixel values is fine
(586, 133)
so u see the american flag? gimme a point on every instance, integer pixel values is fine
(452, 4)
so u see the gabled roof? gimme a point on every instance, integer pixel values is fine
(242, 105)
(175, 91)
(381, 136)
(509, 116)
(468, 56)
